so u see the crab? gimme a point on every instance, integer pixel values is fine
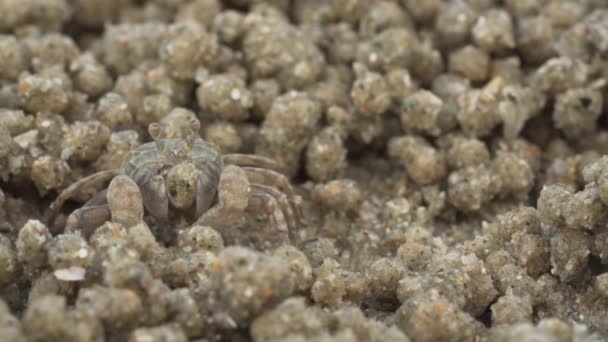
(186, 176)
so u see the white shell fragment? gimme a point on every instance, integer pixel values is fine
(73, 273)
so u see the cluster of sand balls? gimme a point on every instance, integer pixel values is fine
(450, 157)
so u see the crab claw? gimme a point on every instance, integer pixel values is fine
(125, 201)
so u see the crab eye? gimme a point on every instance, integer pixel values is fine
(154, 131)
(173, 190)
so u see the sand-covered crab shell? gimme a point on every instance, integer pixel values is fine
(147, 164)
(218, 188)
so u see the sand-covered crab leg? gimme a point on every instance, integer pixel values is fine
(251, 160)
(93, 214)
(75, 188)
(261, 202)
(279, 181)
(282, 204)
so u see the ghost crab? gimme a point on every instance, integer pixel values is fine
(188, 176)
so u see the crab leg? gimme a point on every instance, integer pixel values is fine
(76, 187)
(87, 219)
(264, 170)
(250, 160)
(93, 214)
(275, 180)
(281, 201)
(260, 202)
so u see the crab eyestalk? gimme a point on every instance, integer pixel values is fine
(189, 139)
(154, 131)
(195, 127)
(181, 185)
